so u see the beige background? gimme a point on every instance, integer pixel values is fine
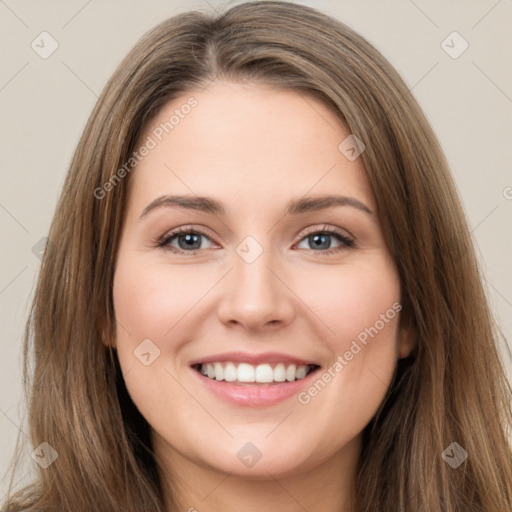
(46, 102)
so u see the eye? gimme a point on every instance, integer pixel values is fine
(322, 240)
(188, 240)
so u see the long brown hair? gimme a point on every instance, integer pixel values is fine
(451, 389)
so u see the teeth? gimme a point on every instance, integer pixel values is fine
(262, 373)
(245, 373)
(219, 371)
(280, 373)
(301, 372)
(290, 372)
(230, 373)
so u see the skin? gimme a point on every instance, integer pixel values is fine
(249, 145)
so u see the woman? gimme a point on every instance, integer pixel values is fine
(253, 371)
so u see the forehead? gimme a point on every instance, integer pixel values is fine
(247, 141)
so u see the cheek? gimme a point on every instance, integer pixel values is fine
(360, 306)
(351, 299)
(150, 299)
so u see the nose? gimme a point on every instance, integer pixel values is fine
(256, 295)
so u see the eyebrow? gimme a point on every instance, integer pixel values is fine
(294, 207)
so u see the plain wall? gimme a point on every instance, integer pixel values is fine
(45, 104)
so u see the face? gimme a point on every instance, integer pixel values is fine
(288, 304)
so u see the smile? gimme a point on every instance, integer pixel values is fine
(243, 373)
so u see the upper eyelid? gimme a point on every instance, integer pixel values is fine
(325, 227)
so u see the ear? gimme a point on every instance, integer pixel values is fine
(407, 341)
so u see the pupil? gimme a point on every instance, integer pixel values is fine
(190, 240)
(317, 237)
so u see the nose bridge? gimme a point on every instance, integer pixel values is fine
(252, 269)
(254, 295)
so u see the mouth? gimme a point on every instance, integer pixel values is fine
(243, 374)
(254, 380)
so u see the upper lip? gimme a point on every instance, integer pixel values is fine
(254, 359)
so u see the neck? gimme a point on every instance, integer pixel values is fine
(192, 487)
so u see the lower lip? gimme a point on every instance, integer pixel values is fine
(253, 395)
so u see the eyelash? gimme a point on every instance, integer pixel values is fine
(163, 242)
